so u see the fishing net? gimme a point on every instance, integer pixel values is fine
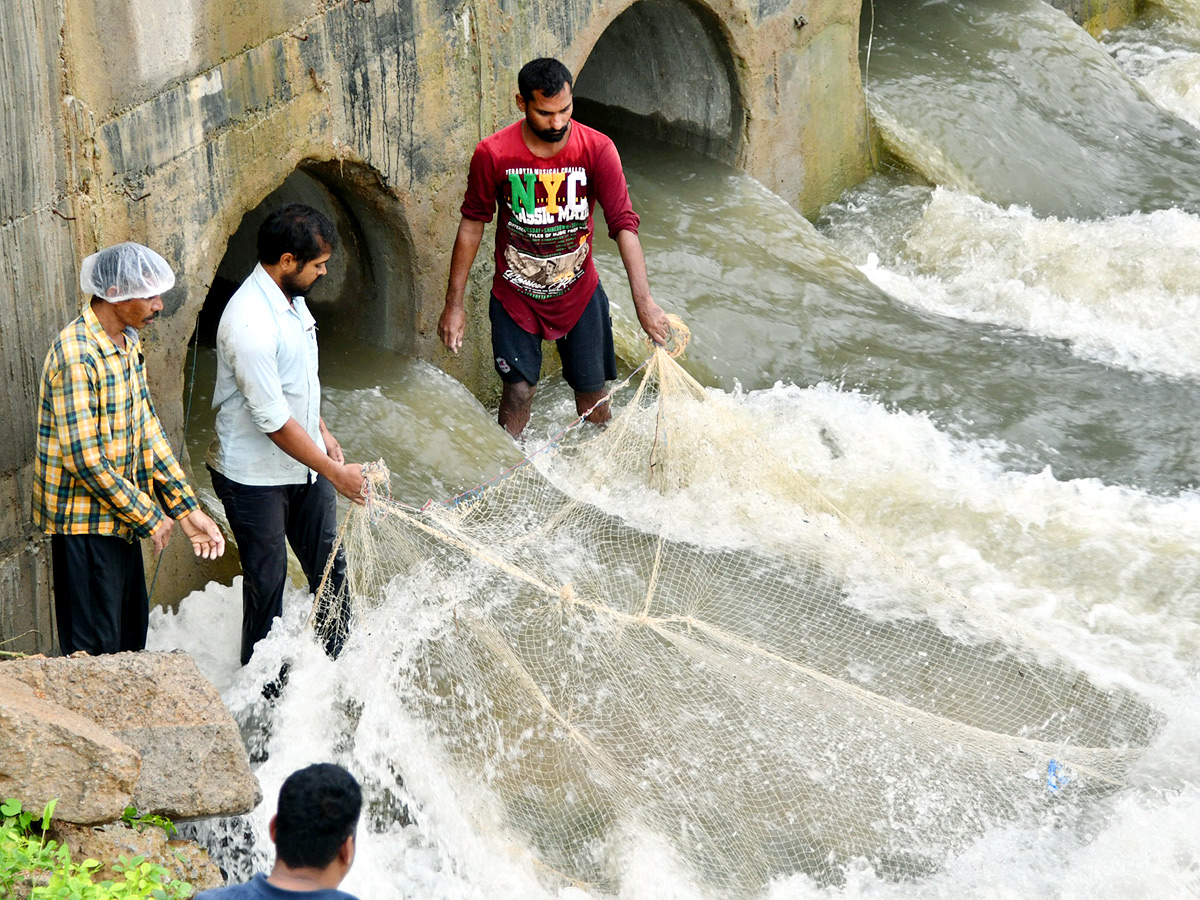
(738, 691)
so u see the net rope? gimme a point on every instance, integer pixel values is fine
(770, 692)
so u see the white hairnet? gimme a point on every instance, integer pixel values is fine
(124, 271)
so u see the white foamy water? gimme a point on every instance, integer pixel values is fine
(1101, 562)
(1165, 61)
(1123, 291)
(1107, 574)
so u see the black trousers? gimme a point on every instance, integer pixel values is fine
(100, 599)
(265, 519)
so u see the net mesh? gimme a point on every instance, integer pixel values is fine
(740, 692)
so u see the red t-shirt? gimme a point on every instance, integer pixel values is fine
(544, 271)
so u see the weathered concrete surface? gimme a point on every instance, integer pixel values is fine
(193, 760)
(38, 239)
(168, 124)
(26, 624)
(49, 752)
(396, 93)
(1097, 16)
(701, 108)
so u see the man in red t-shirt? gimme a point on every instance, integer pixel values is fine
(544, 174)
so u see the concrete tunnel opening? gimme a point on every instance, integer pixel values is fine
(368, 295)
(368, 292)
(663, 69)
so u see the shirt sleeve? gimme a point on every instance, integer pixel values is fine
(612, 192)
(169, 481)
(479, 203)
(251, 358)
(83, 456)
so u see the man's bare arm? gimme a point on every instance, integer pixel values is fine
(650, 314)
(453, 323)
(293, 440)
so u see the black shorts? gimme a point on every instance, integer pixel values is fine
(588, 356)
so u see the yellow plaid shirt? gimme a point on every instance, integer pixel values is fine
(101, 452)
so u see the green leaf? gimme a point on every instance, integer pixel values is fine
(48, 812)
(11, 806)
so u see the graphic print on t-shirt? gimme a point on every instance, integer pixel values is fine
(548, 230)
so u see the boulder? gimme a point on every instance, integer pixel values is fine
(49, 752)
(193, 760)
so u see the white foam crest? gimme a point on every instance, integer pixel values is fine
(1107, 574)
(458, 847)
(1142, 836)
(1109, 571)
(1124, 291)
(1147, 849)
(1141, 842)
(1175, 86)
(334, 711)
(1164, 58)
(208, 624)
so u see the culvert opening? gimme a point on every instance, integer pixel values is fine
(368, 293)
(367, 298)
(663, 69)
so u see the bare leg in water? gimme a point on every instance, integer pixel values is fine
(515, 402)
(585, 400)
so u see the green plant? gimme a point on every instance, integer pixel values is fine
(131, 818)
(33, 866)
(25, 857)
(16, 817)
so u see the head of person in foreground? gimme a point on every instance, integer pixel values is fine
(314, 827)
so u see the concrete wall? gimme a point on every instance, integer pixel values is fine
(38, 253)
(1097, 16)
(171, 123)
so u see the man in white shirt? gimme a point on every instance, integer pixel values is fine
(274, 464)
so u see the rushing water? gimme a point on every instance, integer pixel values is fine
(1005, 397)
(1010, 100)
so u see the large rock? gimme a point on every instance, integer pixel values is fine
(193, 760)
(48, 752)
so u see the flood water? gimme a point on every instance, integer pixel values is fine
(989, 359)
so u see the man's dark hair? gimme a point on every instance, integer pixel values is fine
(297, 229)
(546, 75)
(318, 810)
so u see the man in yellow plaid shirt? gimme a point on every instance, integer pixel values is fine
(103, 465)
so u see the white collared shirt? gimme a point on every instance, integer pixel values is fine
(266, 374)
